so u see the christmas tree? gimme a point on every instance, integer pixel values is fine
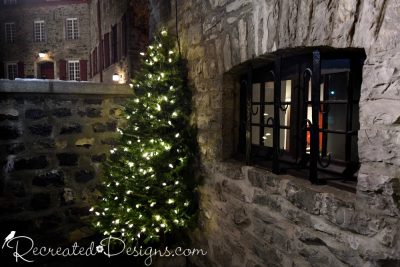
(148, 186)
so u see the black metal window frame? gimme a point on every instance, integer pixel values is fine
(316, 160)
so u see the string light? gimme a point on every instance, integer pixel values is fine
(144, 148)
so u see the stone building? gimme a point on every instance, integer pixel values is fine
(285, 90)
(60, 39)
(297, 107)
(45, 39)
(123, 30)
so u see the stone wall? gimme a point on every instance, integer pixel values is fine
(137, 17)
(250, 217)
(53, 138)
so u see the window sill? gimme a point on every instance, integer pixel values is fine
(292, 188)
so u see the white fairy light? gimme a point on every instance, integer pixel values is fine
(171, 166)
(157, 217)
(141, 53)
(116, 198)
(170, 201)
(177, 135)
(91, 209)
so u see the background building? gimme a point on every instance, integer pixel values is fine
(45, 39)
(60, 39)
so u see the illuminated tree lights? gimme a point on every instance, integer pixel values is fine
(148, 186)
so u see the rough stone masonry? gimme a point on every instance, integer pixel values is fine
(250, 217)
(54, 136)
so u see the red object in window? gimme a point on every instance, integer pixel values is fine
(63, 69)
(83, 70)
(21, 70)
(106, 50)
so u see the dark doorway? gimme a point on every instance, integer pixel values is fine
(46, 70)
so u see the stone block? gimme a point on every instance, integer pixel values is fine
(8, 132)
(41, 129)
(34, 163)
(84, 176)
(93, 101)
(44, 144)
(40, 201)
(9, 114)
(85, 142)
(90, 112)
(241, 218)
(54, 177)
(302, 198)
(111, 126)
(99, 158)
(71, 128)
(35, 114)
(99, 127)
(17, 188)
(15, 148)
(116, 112)
(110, 141)
(61, 112)
(67, 159)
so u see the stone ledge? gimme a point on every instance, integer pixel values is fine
(63, 87)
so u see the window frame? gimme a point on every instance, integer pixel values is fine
(42, 31)
(76, 70)
(9, 33)
(14, 64)
(281, 160)
(74, 33)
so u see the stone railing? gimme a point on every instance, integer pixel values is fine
(54, 136)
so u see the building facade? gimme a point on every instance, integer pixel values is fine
(297, 109)
(45, 39)
(60, 39)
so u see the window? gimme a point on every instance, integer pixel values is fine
(10, 32)
(9, 2)
(114, 44)
(301, 113)
(72, 28)
(12, 71)
(39, 31)
(73, 70)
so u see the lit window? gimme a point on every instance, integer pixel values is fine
(10, 32)
(73, 70)
(39, 31)
(301, 112)
(10, 2)
(12, 71)
(72, 28)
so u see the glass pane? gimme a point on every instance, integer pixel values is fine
(337, 86)
(284, 139)
(284, 115)
(255, 113)
(337, 117)
(267, 138)
(286, 90)
(255, 135)
(336, 145)
(269, 92)
(268, 113)
(256, 92)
